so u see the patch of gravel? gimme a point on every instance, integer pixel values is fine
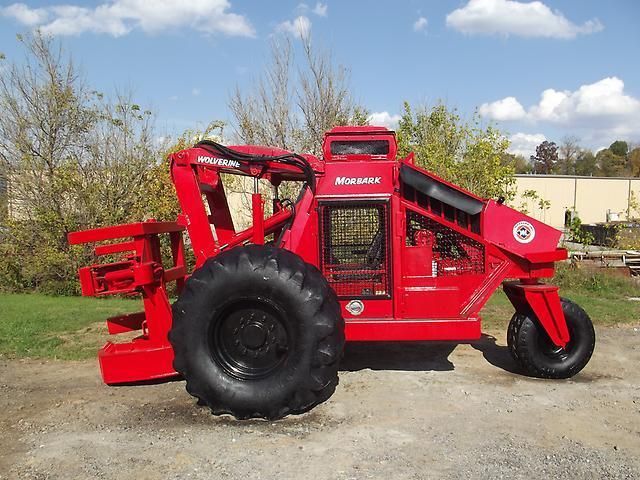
(409, 411)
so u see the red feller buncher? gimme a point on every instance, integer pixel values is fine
(374, 248)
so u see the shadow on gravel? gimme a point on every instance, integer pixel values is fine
(495, 354)
(156, 381)
(420, 356)
(409, 356)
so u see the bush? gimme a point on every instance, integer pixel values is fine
(601, 281)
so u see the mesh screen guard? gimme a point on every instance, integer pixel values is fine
(453, 253)
(355, 248)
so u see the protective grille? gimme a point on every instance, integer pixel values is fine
(354, 255)
(453, 253)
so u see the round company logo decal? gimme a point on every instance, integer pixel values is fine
(355, 307)
(524, 232)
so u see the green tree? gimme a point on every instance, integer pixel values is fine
(160, 196)
(112, 176)
(633, 162)
(3, 196)
(619, 148)
(464, 152)
(73, 159)
(531, 203)
(586, 164)
(610, 164)
(519, 163)
(43, 129)
(546, 158)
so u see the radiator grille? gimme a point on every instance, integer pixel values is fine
(355, 250)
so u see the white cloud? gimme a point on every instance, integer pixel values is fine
(299, 27)
(599, 111)
(120, 17)
(195, 92)
(25, 15)
(525, 143)
(503, 110)
(604, 99)
(547, 108)
(420, 24)
(320, 9)
(509, 17)
(384, 119)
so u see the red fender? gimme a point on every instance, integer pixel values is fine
(543, 300)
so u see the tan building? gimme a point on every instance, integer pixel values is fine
(595, 199)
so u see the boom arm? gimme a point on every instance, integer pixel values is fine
(205, 210)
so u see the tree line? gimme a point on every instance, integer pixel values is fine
(73, 158)
(620, 159)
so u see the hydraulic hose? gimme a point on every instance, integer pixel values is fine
(288, 159)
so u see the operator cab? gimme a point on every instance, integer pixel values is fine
(373, 207)
(354, 195)
(359, 143)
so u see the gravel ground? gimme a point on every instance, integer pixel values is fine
(401, 411)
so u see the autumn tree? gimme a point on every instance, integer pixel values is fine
(633, 160)
(72, 159)
(464, 152)
(292, 108)
(568, 152)
(546, 158)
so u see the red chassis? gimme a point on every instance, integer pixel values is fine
(410, 255)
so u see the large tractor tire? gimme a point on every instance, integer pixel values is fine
(258, 333)
(531, 347)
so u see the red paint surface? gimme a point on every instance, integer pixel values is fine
(440, 265)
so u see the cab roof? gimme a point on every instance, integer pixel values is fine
(363, 143)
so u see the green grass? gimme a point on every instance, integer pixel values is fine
(603, 296)
(604, 310)
(69, 328)
(39, 326)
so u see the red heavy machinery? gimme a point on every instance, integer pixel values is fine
(373, 249)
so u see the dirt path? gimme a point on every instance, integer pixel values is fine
(401, 411)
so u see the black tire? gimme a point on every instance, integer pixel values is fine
(512, 332)
(539, 357)
(258, 333)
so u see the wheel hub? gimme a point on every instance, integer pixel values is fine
(249, 339)
(548, 348)
(253, 335)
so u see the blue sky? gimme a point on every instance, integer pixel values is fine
(541, 70)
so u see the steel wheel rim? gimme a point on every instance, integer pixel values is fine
(249, 338)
